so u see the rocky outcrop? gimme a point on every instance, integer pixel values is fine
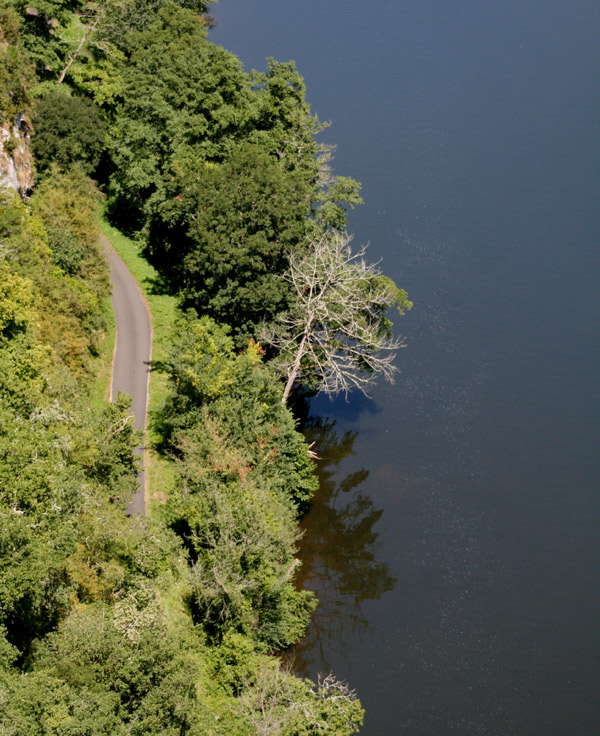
(16, 162)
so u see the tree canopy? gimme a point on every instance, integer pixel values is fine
(224, 235)
(68, 130)
(167, 624)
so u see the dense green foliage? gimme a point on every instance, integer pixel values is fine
(216, 170)
(244, 472)
(166, 625)
(225, 239)
(51, 447)
(68, 130)
(16, 70)
(182, 97)
(97, 613)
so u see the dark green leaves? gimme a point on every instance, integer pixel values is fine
(68, 130)
(223, 237)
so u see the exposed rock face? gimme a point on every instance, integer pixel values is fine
(16, 163)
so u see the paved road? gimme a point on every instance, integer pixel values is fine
(133, 352)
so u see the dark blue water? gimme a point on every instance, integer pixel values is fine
(454, 544)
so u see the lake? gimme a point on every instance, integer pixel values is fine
(454, 542)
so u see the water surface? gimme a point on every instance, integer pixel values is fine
(454, 544)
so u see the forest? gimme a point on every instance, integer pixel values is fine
(170, 623)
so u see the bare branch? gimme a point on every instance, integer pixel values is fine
(75, 54)
(117, 427)
(336, 336)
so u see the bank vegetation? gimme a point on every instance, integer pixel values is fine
(168, 624)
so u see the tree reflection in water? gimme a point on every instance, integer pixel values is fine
(338, 550)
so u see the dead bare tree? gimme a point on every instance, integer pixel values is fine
(336, 335)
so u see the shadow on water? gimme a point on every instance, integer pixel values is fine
(338, 550)
(346, 411)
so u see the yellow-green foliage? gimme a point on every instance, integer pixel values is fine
(68, 314)
(16, 303)
(57, 455)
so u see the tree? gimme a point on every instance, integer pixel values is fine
(241, 395)
(68, 130)
(336, 335)
(223, 240)
(182, 98)
(62, 35)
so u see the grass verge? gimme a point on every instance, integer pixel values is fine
(102, 364)
(163, 309)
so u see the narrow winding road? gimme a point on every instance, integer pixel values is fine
(133, 353)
